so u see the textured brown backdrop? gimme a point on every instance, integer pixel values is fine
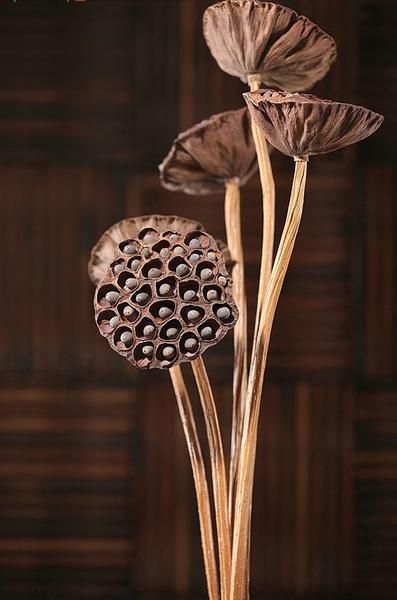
(96, 498)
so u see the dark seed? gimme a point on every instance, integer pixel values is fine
(193, 315)
(212, 295)
(182, 270)
(169, 352)
(131, 283)
(148, 330)
(194, 243)
(194, 258)
(114, 321)
(223, 313)
(164, 289)
(142, 297)
(128, 311)
(191, 344)
(126, 337)
(189, 295)
(112, 297)
(164, 312)
(206, 274)
(206, 333)
(172, 332)
(154, 273)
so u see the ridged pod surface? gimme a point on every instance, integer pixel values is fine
(166, 298)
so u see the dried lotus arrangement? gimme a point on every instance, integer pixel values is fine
(167, 291)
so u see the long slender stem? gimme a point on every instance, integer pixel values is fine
(242, 517)
(218, 474)
(235, 245)
(268, 208)
(200, 480)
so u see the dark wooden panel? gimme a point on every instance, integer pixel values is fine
(376, 494)
(81, 81)
(380, 293)
(67, 492)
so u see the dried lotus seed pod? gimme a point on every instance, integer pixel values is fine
(161, 308)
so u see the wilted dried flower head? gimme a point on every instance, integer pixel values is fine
(203, 158)
(166, 297)
(247, 37)
(300, 125)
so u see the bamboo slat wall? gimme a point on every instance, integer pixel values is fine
(96, 497)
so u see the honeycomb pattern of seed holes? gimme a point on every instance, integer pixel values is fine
(143, 354)
(130, 247)
(195, 256)
(148, 236)
(158, 307)
(162, 248)
(162, 310)
(166, 288)
(189, 345)
(123, 338)
(179, 266)
(213, 292)
(223, 313)
(118, 266)
(197, 240)
(135, 264)
(142, 296)
(128, 312)
(108, 295)
(127, 281)
(171, 330)
(167, 354)
(107, 321)
(146, 329)
(206, 271)
(192, 314)
(152, 269)
(188, 290)
(209, 330)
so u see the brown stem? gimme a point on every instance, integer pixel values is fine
(218, 473)
(235, 245)
(268, 207)
(200, 480)
(242, 517)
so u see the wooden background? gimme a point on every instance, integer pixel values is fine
(96, 497)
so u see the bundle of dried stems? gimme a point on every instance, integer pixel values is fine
(164, 294)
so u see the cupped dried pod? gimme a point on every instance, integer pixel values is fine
(267, 41)
(130, 233)
(302, 125)
(203, 158)
(163, 309)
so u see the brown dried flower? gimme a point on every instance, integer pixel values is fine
(300, 125)
(203, 158)
(166, 296)
(247, 37)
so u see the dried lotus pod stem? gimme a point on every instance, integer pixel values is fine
(218, 469)
(200, 480)
(242, 518)
(234, 242)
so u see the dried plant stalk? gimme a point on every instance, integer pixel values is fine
(268, 206)
(218, 473)
(243, 507)
(200, 480)
(234, 242)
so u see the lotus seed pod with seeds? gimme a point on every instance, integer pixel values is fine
(161, 308)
